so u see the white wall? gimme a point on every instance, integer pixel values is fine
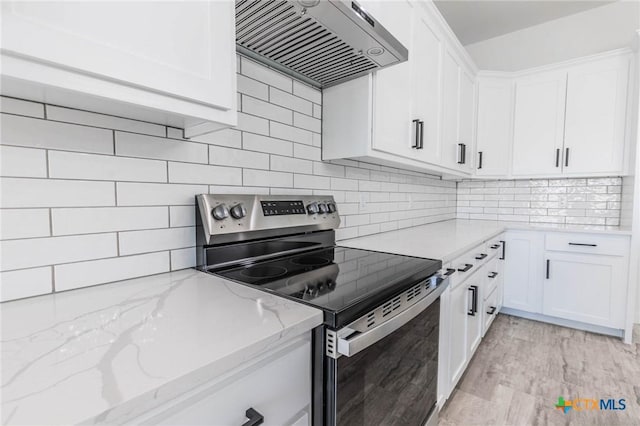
(596, 30)
(89, 198)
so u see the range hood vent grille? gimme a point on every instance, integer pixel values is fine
(288, 37)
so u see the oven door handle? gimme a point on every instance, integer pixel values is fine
(357, 342)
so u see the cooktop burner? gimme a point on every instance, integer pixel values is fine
(342, 281)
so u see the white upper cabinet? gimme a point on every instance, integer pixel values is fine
(596, 116)
(410, 114)
(539, 124)
(495, 113)
(173, 62)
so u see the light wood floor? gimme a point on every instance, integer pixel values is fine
(522, 367)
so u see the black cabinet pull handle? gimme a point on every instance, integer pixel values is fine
(583, 244)
(474, 300)
(566, 157)
(495, 246)
(504, 249)
(463, 153)
(548, 265)
(449, 272)
(467, 266)
(254, 417)
(416, 143)
(491, 310)
(479, 159)
(481, 256)
(421, 126)
(558, 157)
(493, 275)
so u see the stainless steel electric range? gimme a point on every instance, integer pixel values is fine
(375, 357)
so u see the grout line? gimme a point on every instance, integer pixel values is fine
(53, 279)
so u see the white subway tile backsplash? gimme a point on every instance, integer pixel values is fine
(84, 274)
(266, 110)
(133, 242)
(35, 133)
(100, 218)
(237, 158)
(29, 253)
(197, 173)
(135, 145)
(72, 221)
(23, 162)
(564, 200)
(25, 283)
(21, 107)
(231, 138)
(268, 76)
(307, 92)
(77, 116)
(24, 223)
(74, 165)
(267, 178)
(266, 144)
(19, 193)
(157, 194)
(290, 133)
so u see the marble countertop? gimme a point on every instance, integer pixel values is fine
(103, 353)
(449, 239)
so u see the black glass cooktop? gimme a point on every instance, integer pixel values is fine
(344, 282)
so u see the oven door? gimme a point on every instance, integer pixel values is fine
(388, 375)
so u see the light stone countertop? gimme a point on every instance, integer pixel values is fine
(451, 238)
(107, 353)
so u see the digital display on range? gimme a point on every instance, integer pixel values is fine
(280, 208)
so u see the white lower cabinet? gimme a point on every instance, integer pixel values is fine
(475, 286)
(522, 270)
(458, 333)
(278, 387)
(586, 288)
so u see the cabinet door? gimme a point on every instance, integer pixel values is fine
(458, 333)
(450, 102)
(596, 116)
(586, 288)
(426, 93)
(182, 49)
(524, 262)
(539, 124)
(392, 127)
(495, 114)
(465, 123)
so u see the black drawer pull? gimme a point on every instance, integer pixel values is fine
(474, 300)
(449, 272)
(583, 244)
(492, 310)
(504, 249)
(495, 246)
(254, 417)
(493, 275)
(548, 264)
(481, 256)
(467, 266)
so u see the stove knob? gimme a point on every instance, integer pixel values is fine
(238, 211)
(322, 208)
(331, 207)
(220, 212)
(312, 208)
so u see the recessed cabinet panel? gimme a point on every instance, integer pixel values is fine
(585, 288)
(466, 118)
(539, 124)
(495, 112)
(595, 119)
(458, 333)
(450, 102)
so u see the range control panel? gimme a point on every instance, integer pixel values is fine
(240, 213)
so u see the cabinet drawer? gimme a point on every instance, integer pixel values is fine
(278, 388)
(493, 274)
(490, 310)
(612, 245)
(494, 246)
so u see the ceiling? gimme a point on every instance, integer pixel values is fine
(479, 20)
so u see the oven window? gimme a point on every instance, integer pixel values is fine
(394, 381)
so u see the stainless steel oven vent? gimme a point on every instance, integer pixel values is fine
(323, 43)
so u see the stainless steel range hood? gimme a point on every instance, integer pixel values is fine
(322, 42)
